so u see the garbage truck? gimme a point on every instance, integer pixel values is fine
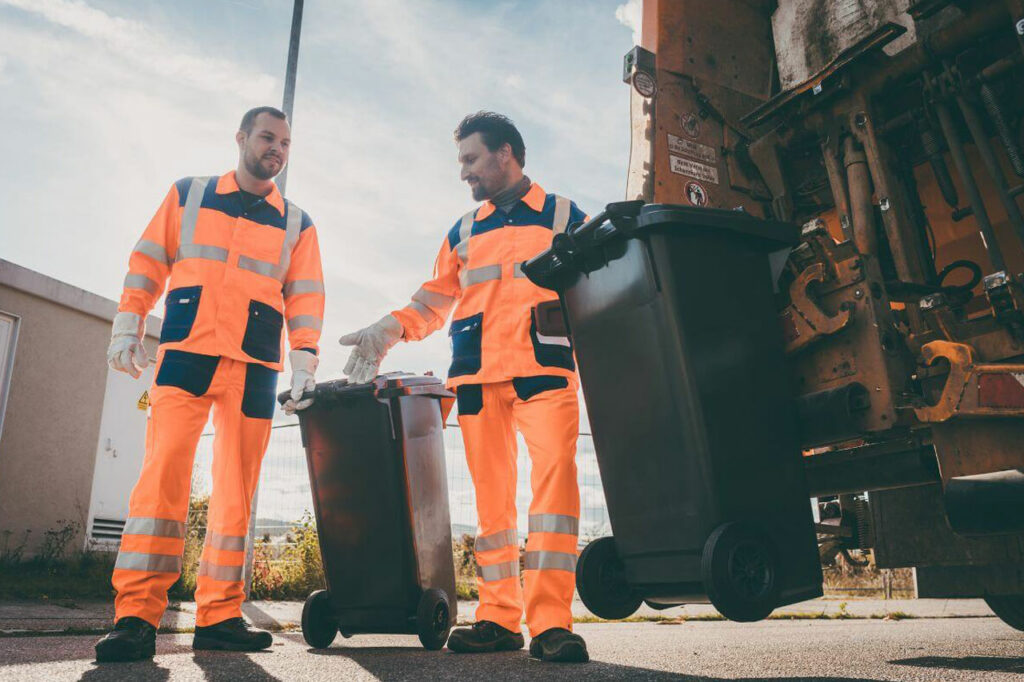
(888, 133)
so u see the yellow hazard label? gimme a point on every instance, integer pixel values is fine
(143, 403)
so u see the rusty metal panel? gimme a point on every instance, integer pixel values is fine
(727, 42)
(689, 149)
(811, 34)
(911, 530)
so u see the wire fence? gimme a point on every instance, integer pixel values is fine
(285, 497)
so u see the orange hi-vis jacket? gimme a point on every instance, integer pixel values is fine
(237, 274)
(479, 268)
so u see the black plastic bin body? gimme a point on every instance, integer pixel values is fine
(380, 496)
(682, 365)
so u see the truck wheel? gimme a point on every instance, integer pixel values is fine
(318, 624)
(740, 572)
(433, 619)
(601, 581)
(1009, 608)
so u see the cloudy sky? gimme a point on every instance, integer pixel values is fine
(106, 102)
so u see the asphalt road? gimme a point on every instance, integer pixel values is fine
(932, 649)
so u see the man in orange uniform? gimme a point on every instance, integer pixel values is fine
(507, 376)
(242, 262)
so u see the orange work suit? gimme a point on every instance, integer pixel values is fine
(508, 376)
(236, 273)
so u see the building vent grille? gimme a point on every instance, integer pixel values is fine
(107, 530)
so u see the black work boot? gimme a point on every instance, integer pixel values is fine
(233, 634)
(132, 639)
(559, 645)
(484, 637)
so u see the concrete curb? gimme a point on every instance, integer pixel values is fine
(23, 618)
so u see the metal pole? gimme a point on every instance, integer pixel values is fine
(289, 77)
(282, 180)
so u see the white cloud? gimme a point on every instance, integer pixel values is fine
(145, 48)
(630, 15)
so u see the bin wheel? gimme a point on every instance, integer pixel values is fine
(318, 624)
(601, 581)
(740, 572)
(433, 619)
(1009, 608)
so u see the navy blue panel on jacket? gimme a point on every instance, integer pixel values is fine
(230, 204)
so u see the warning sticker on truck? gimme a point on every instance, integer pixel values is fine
(694, 150)
(693, 169)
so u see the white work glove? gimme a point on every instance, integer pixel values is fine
(304, 366)
(126, 352)
(371, 345)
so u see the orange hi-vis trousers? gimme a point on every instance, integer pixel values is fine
(546, 411)
(186, 387)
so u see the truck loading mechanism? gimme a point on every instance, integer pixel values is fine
(892, 131)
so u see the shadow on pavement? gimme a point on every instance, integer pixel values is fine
(259, 617)
(232, 665)
(978, 663)
(413, 662)
(147, 671)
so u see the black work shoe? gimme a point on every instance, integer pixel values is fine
(484, 637)
(132, 639)
(233, 634)
(559, 645)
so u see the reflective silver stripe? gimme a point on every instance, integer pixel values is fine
(303, 286)
(465, 230)
(554, 523)
(156, 563)
(190, 216)
(261, 267)
(202, 251)
(500, 571)
(218, 572)
(478, 275)
(432, 299)
(293, 226)
(426, 313)
(503, 538)
(153, 250)
(554, 340)
(549, 561)
(561, 221)
(230, 543)
(141, 282)
(158, 528)
(305, 322)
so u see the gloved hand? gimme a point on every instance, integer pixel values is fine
(371, 345)
(126, 352)
(304, 366)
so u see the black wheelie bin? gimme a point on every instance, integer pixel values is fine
(380, 497)
(680, 354)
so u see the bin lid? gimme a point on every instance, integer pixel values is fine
(676, 216)
(387, 385)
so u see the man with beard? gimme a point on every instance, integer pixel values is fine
(241, 261)
(508, 376)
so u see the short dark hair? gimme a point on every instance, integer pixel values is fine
(249, 120)
(495, 130)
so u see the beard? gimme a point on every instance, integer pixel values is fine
(480, 193)
(262, 168)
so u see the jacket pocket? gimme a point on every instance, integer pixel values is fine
(180, 311)
(263, 332)
(551, 351)
(466, 335)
